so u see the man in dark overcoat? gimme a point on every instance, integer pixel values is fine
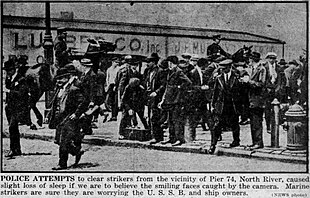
(68, 105)
(173, 101)
(16, 104)
(257, 89)
(226, 104)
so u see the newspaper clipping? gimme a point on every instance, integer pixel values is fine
(154, 99)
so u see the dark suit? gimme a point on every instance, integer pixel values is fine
(257, 101)
(173, 100)
(155, 81)
(272, 92)
(16, 108)
(68, 131)
(198, 100)
(226, 104)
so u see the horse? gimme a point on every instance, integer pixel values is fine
(242, 55)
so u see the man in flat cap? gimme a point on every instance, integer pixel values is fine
(60, 48)
(225, 105)
(214, 50)
(197, 98)
(256, 83)
(173, 101)
(273, 83)
(68, 105)
(155, 85)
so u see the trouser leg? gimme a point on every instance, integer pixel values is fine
(179, 119)
(14, 134)
(235, 128)
(157, 131)
(125, 121)
(256, 116)
(193, 120)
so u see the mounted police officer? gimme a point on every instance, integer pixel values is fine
(214, 50)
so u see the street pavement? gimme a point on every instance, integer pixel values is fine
(39, 155)
(107, 135)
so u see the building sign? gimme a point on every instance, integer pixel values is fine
(29, 42)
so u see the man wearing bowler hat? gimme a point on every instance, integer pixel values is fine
(60, 47)
(68, 105)
(214, 50)
(16, 104)
(225, 104)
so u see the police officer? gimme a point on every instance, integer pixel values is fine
(214, 50)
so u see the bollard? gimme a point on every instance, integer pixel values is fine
(275, 124)
(297, 134)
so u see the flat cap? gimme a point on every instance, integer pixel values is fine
(86, 62)
(173, 59)
(226, 62)
(195, 57)
(186, 55)
(271, 55)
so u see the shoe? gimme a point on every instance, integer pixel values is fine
(94, 126)
(166, 142)
(12, 154)
(177, 143)
(256, 146)
(112, 119)
(234, 144)
(78, 157)
(105, 118)
(244, 122)
(153, 141)
(121, 137)
(220, 138)
(211, 149)
(58, 167)
(18, 152)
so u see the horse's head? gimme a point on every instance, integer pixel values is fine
(243, 54)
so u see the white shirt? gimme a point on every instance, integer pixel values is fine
(111, 76)
(200, 74)
(272, 72)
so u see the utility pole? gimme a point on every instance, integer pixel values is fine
(48, 52)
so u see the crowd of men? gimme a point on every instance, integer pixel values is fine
(212, 91)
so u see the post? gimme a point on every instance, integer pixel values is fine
(48, 50)
(275, 124)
